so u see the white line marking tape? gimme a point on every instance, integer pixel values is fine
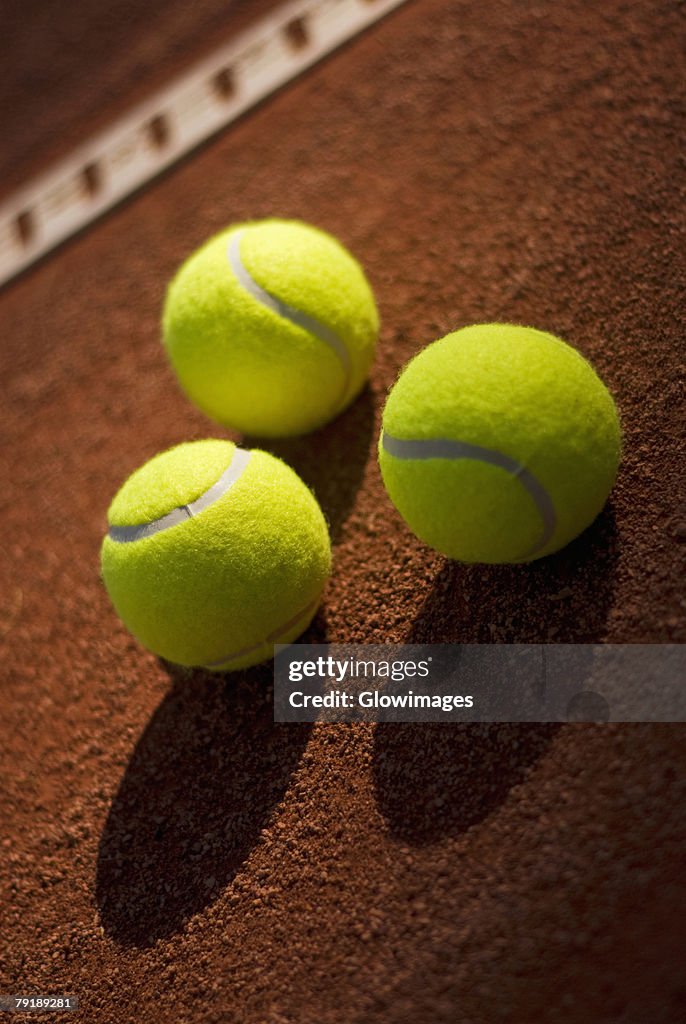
(117, 162)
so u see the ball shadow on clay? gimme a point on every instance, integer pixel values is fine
(332, 460)
(434, 780)
(201, 784)
(564, 598)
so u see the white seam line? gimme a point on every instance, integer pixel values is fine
(443, 448)
(128, 534)
(273, 637)
(296, 316)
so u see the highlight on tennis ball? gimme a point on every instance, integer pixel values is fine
(499, 443)
(214, 554)
(271, 327)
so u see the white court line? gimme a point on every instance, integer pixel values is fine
(115, 163)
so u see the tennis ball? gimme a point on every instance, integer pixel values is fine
(271, 327)
(499, 444)
(214, 554)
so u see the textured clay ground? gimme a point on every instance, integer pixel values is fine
(169, 855)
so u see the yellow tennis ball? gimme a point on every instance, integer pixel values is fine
(499, 444)
(271, 327)
(214, 554)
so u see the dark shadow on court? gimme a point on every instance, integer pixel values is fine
(564, 598)
(434, 780)
(332, 460)
(202, 782)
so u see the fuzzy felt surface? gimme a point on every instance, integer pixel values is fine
(246, 571)
(170, 853)
(245, 365)
(514, 390)
(171, 479)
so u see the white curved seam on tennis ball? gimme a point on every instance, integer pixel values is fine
(270, 638)
(296, 316)
(128, 534)
(444, 448)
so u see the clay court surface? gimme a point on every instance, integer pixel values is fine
(169, 855)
